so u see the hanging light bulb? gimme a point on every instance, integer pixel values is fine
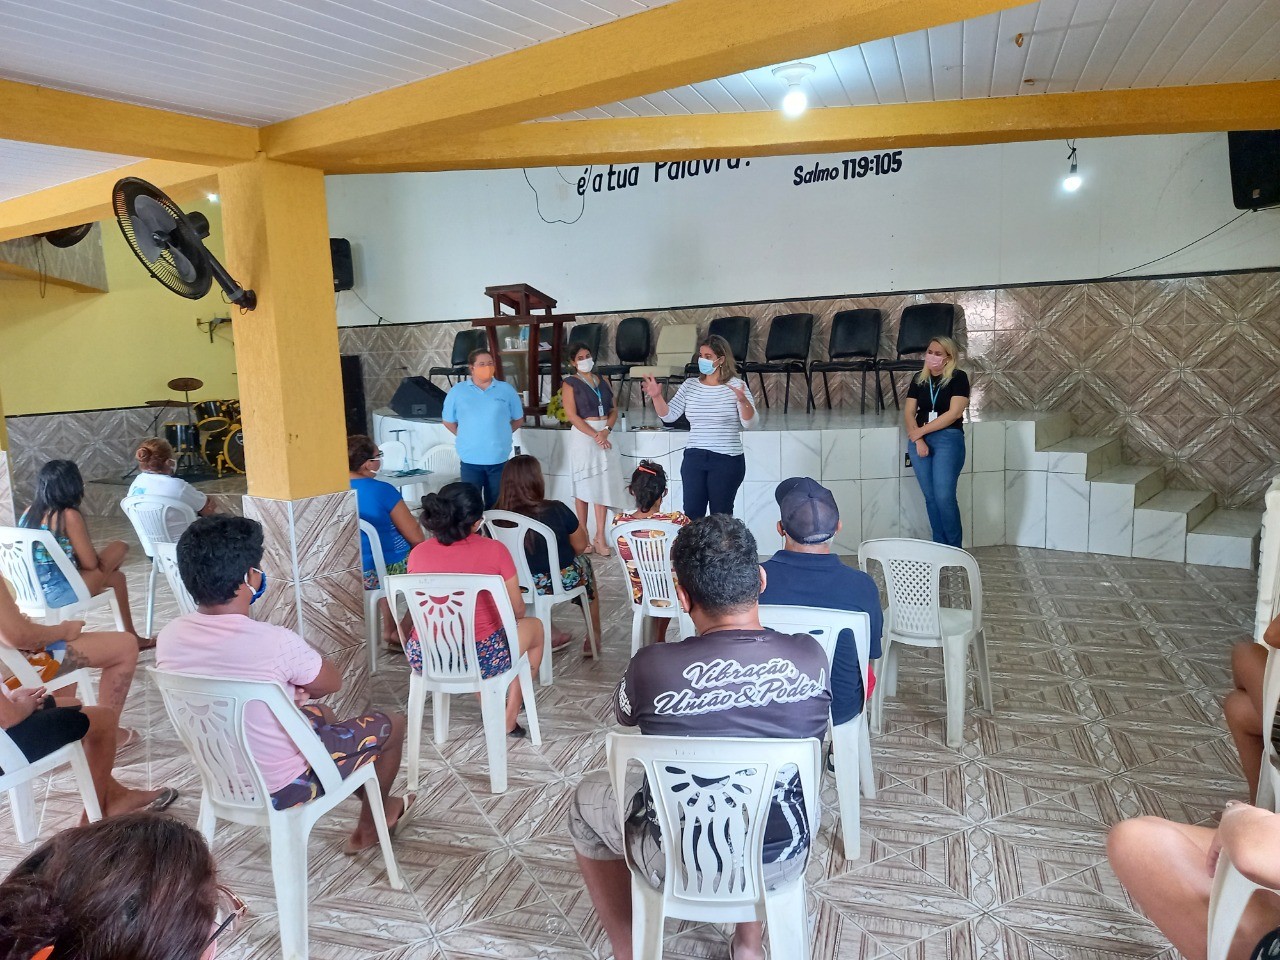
(1071, 182)
(796, 100)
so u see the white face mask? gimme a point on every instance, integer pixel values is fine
(584, 366)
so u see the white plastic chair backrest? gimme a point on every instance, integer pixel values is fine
(443, 459)
(442, 607)
(509, 529)
(370, 533)
(1266, 609)
(649, 542)
(395, 456)
(18, 566)
(167, 558)
(12, 760)
(824, 626)
(209, 716)
(155, 519)
(676, 344)
(712, 796)
(912, 571)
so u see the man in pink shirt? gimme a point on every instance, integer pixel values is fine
(218, 558)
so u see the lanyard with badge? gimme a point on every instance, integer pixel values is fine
(933, 400)
(599, 396)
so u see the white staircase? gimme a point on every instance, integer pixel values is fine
(1097, 504)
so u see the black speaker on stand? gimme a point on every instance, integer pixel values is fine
(353, 402)
(344, 277)
(418, 398)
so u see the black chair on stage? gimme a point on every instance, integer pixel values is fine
(919, 324)
(464, 341)
(786, 352)
(852, 348)
(588, 333)
(736, 332)
(632, 342)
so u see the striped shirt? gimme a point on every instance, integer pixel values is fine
(714, 422)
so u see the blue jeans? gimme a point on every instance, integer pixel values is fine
(711, 480)
(938, 474)
(57, 591)
(485, 477)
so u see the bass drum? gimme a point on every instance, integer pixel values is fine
(212, 444)
(183, 437)
(210, 416)
(233, 448)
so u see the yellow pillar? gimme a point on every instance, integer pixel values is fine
(7, 515)
(276, 234)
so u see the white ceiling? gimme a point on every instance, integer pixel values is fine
(1068, 45)
(27, 167)
(260, 61)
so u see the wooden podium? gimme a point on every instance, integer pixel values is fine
(522, 303)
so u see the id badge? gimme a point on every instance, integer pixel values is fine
(933, 415)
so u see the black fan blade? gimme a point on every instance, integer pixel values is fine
(185, 269)
(153, 226)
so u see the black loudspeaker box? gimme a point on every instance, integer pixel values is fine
(419, 398)
(353, 395)
(344, 277)
(1255, 168)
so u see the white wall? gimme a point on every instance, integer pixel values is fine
(426, 245)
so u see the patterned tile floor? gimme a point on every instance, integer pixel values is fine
(1108, 675)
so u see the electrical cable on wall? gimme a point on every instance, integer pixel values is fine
(1180, 249)
(381, 318)
(537, 199)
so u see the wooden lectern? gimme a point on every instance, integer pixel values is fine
(522, 301)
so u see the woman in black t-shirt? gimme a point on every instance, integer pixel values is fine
(523, 490)
(934, 414)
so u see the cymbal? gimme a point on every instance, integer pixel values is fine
(185, 384)
(170, 403)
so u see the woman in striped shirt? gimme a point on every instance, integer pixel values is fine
(719, 407)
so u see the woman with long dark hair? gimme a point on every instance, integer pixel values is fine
(524, 491)
(719, 406)
(934, 415)
(136, 887)
(56, 508)
(453, 516)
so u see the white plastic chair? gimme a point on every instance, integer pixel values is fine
(713, 834)
(442, 460)
(156, 520)
(442, 607)
(1227, 901)
(18, 566)
(18, 772)
(916, 617)
(209, 715)
(395, 455)
(15, 663)
(651, 557)
(851, 740)
(166, 559)
(1269, 775)
(509, 529)
(372, 621)
(1267, 606)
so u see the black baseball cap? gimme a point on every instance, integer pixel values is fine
(809, 511)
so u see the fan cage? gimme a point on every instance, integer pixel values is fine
(163, 268)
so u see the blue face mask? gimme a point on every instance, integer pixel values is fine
(262, 587)
(706, 367)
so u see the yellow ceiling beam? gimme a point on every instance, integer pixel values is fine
(1112, 113)
(35, 114)
(89, 199)
(682, 42)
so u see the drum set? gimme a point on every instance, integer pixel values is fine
(212, 439)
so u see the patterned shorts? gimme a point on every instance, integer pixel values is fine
(492, 651)
(371, 576)
(352, 743)
(574, 575)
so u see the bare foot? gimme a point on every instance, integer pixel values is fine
(126, 800)
(396, 808)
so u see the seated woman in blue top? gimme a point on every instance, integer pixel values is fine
(56, 508)
(381, 505)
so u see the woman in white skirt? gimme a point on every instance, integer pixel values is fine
(593, 461)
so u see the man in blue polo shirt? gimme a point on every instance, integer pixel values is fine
(483, 413)
(805, 573)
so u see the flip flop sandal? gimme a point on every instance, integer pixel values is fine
(409, 798)
(164, 801)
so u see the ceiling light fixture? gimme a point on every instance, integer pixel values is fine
(211, 197)
(796, 101)
(1071, 182)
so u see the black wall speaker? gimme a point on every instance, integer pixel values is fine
(353, 396)
(344, 277)
(418, 397)
(1255, 168)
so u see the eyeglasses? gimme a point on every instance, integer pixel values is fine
(231, 908)
(376, 456)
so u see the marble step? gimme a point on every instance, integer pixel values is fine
(1029, 435)
(1114, 495)
(1161, 524)
(1087, 456)
(1226, 538)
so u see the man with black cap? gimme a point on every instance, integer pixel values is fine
(805, 573)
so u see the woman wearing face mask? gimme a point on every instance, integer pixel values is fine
(719, 407)
(593, 461)
(934, 414)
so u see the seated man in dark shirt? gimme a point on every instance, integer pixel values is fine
(805, 573)
(734, 679)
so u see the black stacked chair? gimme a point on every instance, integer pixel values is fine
(787, 352)
(919, 324)
(736, 332)
(588, 333)
(632, 342)
(464, 341)
(852, 348)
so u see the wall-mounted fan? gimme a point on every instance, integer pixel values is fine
(67, 236)
(170, 243)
